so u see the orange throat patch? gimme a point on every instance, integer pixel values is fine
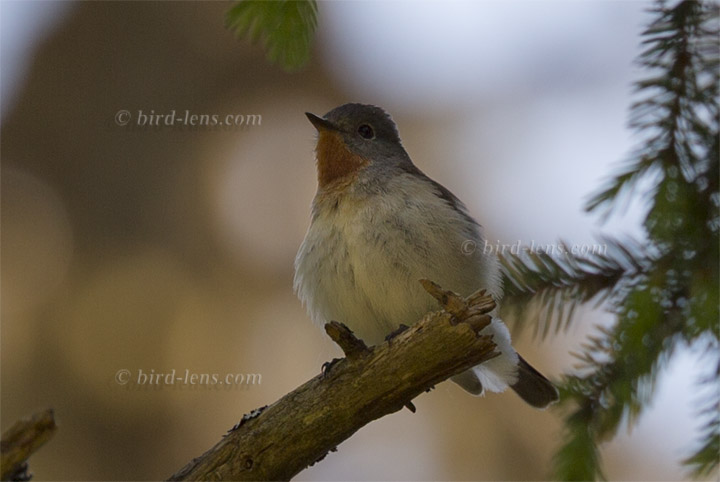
(335, 162)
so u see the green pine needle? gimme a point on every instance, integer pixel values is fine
(286, 28)
(554, 286)
(705, 461)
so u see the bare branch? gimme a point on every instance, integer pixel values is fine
(277, 442)
(22, 440)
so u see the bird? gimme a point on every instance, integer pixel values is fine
(378, 225)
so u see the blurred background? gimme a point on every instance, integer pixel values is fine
(159, 248)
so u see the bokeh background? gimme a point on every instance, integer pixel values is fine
(171, 247)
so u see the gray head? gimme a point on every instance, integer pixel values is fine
(367, 131)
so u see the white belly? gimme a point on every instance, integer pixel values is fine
(360, 262)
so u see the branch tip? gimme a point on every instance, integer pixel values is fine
(449, 300)
(478, 322)
(472, 310)
(343, 336)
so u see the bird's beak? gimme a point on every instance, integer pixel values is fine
(320, 123)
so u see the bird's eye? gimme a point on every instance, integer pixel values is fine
(366, 131)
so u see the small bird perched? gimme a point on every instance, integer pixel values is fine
(378, 226)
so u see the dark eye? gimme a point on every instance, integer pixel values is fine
(366, 131)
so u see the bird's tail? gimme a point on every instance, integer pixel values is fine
(533, 387)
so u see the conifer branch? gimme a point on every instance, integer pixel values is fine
(665, 291)
(555, 286)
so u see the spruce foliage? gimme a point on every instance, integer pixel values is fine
(664, 290)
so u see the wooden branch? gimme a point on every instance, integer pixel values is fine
(277, 442)
(21, 440)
